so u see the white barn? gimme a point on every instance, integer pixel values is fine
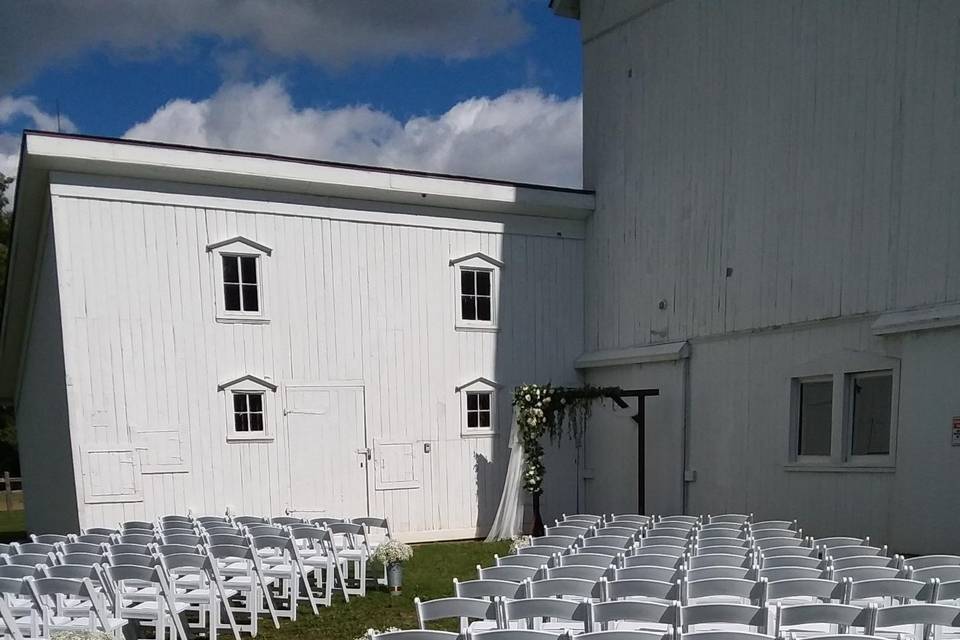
(191, 329)
(774, 247)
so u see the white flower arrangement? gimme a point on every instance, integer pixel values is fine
(80, 635)
(519, 542)
(393, 552)
(376, 632)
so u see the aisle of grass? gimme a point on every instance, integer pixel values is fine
(12, 526)
(428, 575)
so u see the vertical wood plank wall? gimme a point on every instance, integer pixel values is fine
(778, 174)
(347, 301)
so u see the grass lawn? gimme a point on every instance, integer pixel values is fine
(428, 575)
(12, 526)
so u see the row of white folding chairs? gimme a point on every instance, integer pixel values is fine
(530, 634)
(562, 615)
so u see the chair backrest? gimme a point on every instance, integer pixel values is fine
(176, 518)
(945, 573)
(610, 552)
(556, 541)
(818, 588)
(621, 542)
(922, 562)
(586, 559)
(660, 574)
(866, 561)
(600, 614)
(773, 524)
(81, 547)
(790, 573)
(131, 559)
(662, 544)
(191, 539)
(714, 613)
(724, 531)
(582, 572)
(653, 560)
(704, 573)
(33, 547)
(463, 608)
(631, 517)
(780, 542)
(839, 541)
(176, 549)
(176, 526)
(205, 520)
(264, 529)
(246, 520)
(866, 573)
(937, 615)
(563, 587)
(30, 559)
(541, 550)
(753, 592)
(88, 559)
(581, 516)
(488, 589)
(617, 530)
(114, 549)
(842, 615)
(17, 571)
(417, 634)
(533, 609)
(135, 538)
(93, 538)
(284, 521)
(566, 530)
(133, 526)
(511, 574)
(899, 588)
(768, 562)
(718, 560)
(656, 589)
(668, 532)
(46, 594)
(72, 571)
(324, 521)
(762, 534)
(50, 538)
(848, 551)
(230, 539)
(686, 520)
(706, 543)
(787, 550)
(516, 560)
(741, 551)
(734, 518)
(11, 586)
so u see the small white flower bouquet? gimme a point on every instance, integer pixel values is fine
(393, 552)
(80, 635)
(375, 632)
(519, 542)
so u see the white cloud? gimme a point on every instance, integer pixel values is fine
(522, 135)
(23, 109)
(332, 33)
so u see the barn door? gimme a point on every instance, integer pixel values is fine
(328, 454)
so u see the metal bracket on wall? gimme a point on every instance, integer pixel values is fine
(641, 395)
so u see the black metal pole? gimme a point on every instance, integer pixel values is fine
(641, 454)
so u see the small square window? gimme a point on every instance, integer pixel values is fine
(815, 417)
(479, 410)
(248, 412)
(871, 406)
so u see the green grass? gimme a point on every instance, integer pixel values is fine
(428, 575)
(12, 526)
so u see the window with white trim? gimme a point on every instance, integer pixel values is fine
(249, 403)
(478, 407)
(843, 412)
(239, 266)
(477, 278)
(248, 412)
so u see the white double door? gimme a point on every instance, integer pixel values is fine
(328, 453)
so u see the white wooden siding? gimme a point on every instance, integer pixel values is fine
(43, 428)
(348, 302)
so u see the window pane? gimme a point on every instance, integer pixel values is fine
(239, 402)
(471, 419)
(468, 309)
(483, 308)
(256, 402)
(872, 399)
(472, 401)
(251, 300)
(231, 297)
(248, 269)
(484, 401)
(240, 422)
(483, 283)
(256, 422)
(816, 418)
(230, 272)
(467, 282)
(484, 419)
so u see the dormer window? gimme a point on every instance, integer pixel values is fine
(240, 273)
(478, 407)
(248, 406)
(477, 290)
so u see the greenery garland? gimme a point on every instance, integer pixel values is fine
(545, 409)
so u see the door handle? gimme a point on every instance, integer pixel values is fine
(366, 452)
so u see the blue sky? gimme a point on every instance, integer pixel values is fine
(348, 74)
